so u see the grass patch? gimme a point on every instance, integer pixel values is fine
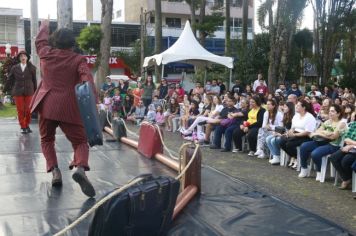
(8, 110)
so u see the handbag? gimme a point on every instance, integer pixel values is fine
(89, 113)
(227, 122)
(280, 129)
(145, 208)
(318, 138)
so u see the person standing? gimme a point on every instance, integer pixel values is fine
(148, 87)
(22, 80)
(55, 101)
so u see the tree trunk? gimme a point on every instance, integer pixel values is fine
(227, 29)
(158, 34)
(244, 22)
(201, 20)
(65, 14)
(104, 55)
(192, 17)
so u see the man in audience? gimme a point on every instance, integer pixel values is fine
(295, 90)
(215, 88)
(237, 88)
(258, 81)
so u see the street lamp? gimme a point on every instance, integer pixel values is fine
(8, 49)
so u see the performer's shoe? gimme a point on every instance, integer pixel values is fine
(28, 130)
(83, 181)
(57, 177)
(24, 131)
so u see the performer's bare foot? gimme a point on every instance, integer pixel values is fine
(83, 181)
(57, 177)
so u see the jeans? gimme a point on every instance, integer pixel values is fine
(273, 143)
(342, 162)
(228, 136)
(316, 150)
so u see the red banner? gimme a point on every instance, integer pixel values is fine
(114, 63)
(14, 51)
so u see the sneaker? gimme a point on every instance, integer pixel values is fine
(275, 160)
(57, 177)
(259, 152)
(186, 132)
(303, 173)
(235, 150)
(261, 156)
(24, 131)
(318, 176)
(28, 130)
(83, 181)
(250, 153)
(214, 147)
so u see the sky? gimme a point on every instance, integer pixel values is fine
(49, 7)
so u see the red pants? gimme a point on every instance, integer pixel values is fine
(74, 133)
(23, 110)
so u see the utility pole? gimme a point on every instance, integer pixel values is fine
(142, 37)
(34, 32)
(65, 14)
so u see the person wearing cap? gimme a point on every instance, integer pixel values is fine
(22, 80)
(55, 101)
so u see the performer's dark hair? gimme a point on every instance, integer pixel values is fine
(62, 39)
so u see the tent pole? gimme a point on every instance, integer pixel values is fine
(162, 75)
(205, 77)
(230, 83)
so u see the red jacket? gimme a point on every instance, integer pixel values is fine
(61, 70)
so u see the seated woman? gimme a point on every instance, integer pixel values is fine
(273, 141)
(216, 109)
(137, 113)
(250, 127)
(303, 124)
(172, 112)
(271, 119)
(344, 158)
(331, 130)
(192, 112)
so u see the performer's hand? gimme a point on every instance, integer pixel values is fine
(45, 23)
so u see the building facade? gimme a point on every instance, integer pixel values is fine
(11, 31)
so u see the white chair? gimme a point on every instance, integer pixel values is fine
(284, 158)
(324, 165)
(175, 123)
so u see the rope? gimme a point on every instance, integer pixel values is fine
(97, 205)
(162, 141)
(126, 186)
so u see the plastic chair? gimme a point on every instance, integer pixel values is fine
(324, 165)
(353, 182)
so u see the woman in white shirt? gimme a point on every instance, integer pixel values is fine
(303, 124)
(271, 119)
(211, 118)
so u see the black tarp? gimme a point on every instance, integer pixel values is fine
(30, 206)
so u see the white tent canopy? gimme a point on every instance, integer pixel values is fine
(188, 50)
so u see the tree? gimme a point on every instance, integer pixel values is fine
(227, 28)
(158, 33)
(281, 29)
(89, 39)
(330, 19)
(105, 43)
(65, 14)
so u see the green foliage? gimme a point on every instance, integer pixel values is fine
(8, 110)
(304, 41)
(5, 68)
(89, 39)
(133, 58)
(252, 59)
(210, 24)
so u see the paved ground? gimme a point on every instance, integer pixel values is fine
(323, 199)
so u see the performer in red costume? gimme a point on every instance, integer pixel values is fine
(55, 101)
(22, 80)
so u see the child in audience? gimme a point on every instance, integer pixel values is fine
(159, 116)
(151, 114)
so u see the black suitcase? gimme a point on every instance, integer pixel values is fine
(143, 209)
(118, 128)
(89, 113)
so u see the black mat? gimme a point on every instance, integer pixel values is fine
(29, 205)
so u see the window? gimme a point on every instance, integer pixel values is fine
(173, 22)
